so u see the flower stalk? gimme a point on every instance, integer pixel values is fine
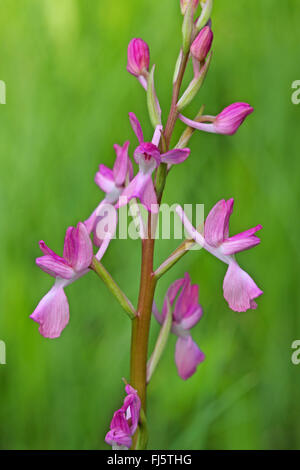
(114, 288)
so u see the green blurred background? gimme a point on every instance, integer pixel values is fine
(68, 95)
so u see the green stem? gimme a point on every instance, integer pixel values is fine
(182, 250)
(113, 287)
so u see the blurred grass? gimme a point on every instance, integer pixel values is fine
(68, 95)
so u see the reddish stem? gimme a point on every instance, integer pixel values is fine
(141, 324)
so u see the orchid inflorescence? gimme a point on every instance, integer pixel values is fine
(181, 310)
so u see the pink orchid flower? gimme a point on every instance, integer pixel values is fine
(148, 157)
(125, 421)
(239, 288)
(112, 183)
(227, 122)
(183, 297)
(52, 312)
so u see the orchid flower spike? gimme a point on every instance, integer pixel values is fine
(112, 182)
(239, 288)
(125, 421)
(183, 297)
(227, 122)
(52, 313)
(148, 157)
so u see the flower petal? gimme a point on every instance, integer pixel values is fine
(171, 294)
(187, 357)
(132, 406)
(239, 289)
(137, 129)
(118, 439)
(119, 430)
(147, 156)
(121, 164)
(148, 197)
(134, 189)
(47, 251)
(52, 313)
(78, 248)
(216, 223)
(175, 156)
(105, 225)
(192, 318)
(187, 311)
(157, 135)
(242, 241)
(140, 187)
(55, 268)
(104, 178)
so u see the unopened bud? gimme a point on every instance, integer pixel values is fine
(202, 44)
(138, 57)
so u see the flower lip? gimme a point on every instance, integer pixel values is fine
(52, 312)
(239, 289)
(147, 151)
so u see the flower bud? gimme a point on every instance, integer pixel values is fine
(202, 44)
(184, 4)
(231, 118)
(227, 122)
(138, 57)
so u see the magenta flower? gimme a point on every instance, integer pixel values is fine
(112, 182)
(52, 313)
(138, 57)
(183, 298)
(125, 421)
(148, 157)
(202, 44)
(238, 287)
(227, 122)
